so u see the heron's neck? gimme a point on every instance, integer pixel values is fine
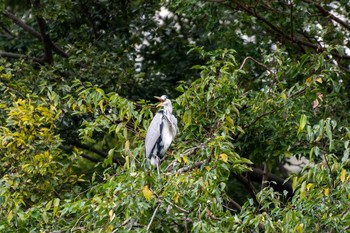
(168, 108)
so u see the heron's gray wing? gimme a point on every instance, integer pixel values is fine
(174, 120)
(153, 133)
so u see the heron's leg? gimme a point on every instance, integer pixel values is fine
(158, 164)
(148, 167)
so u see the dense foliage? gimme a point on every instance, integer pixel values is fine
(253, 84)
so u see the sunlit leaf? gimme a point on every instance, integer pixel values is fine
(326, 192)
(224, 157)
(300, 228)
(302, 122)
(342, 175)
(308, 186)
(147, 193)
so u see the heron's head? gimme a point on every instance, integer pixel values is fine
(164, 100)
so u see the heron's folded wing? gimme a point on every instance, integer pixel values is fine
(174, 120)
(153, 132)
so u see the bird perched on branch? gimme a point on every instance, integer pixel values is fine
(161, 132)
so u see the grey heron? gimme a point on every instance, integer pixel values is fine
(161, 132)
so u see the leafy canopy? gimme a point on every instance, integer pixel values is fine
(252, 84)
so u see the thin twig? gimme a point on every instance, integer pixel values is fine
(210, 214)
(187, 152)
(328, 14)
(154, 214)
(178, 207)
(330, 171)
(235, 204)
(249, 187)
(85, 156)
(187, 168)
(18, 56)
(265, 176)
(257, 62)
(280, 31)
(121, 225)
(96, 151)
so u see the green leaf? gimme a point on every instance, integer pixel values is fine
(302, 122)
(56, 204)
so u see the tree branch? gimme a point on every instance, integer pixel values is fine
(96, 151)
(154, 214)
(187, 152)
(19, 56)
(22, 24)
(90, 158)
(257, 62)
(7, 31)
(33, 32)
(280, 32)
(187, 168)
(235, 204)
(249, 187)
(277, 183)
(329, 15)
(45, 38)
(264, 179)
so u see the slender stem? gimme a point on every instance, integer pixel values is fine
(154, 214)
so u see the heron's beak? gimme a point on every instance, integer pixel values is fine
(160, 99)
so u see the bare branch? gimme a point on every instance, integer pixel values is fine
(45, 38)
(22, 24)
(19, 56)
(178, 207)
(329, 15)
(96, 151)
(235, 204)
(33, 32)
(90, 158)
(249, 187)
(187, 152)
(187, 168)
(264, 176)
(280, 32)
(154, 214)
(9, 34)
(276, 182)
(210, 214)
(259, 63)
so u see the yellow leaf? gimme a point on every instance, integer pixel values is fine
(300, 228)
(101, 106)
(308, 80)
(326, 192)
(185, 159)
(319, 80)
(308, 186)
(176, 198)
(111, 215)
(342, 175)
(207, 168)
(147, 193)
(224, 157)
